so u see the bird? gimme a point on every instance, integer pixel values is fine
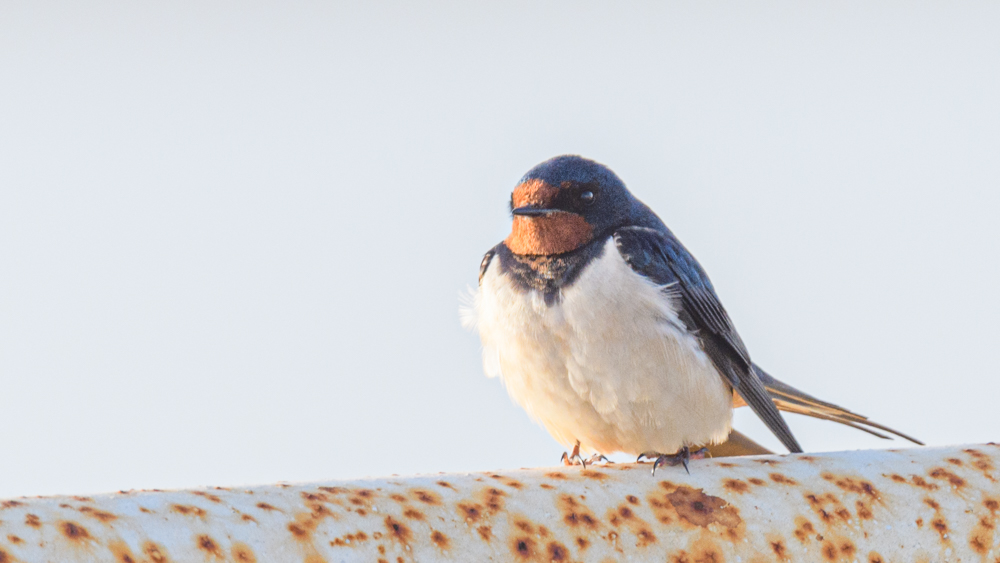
(608, 332)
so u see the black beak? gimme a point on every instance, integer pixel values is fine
(531, 211)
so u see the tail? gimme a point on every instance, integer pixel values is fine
(790, 399)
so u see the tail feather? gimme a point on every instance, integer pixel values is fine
(790, 399)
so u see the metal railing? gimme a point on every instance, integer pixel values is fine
(924, 504)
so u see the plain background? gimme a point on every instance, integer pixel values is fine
(233, 236)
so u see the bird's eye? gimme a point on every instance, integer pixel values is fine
(587, 197)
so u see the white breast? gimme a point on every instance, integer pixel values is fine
(609, 364)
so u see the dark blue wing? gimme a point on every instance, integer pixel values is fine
(664, 260)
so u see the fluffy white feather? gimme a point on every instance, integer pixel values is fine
(609, 364)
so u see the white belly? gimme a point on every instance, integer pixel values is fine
(608, 364)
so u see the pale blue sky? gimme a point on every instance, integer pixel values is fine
(233, 235)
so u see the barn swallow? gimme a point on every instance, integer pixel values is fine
(608, 332)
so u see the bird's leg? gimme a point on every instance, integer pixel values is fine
(598, 457)
(574, 458)
(684, 455)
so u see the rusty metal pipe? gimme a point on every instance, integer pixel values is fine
(927, 504)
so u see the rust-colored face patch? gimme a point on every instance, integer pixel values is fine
(533, 192)
(556, 233)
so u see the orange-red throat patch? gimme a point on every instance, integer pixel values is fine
(555, 233)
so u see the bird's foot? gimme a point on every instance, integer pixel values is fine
(576, 459)
(683, 456)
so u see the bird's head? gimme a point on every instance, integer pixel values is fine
(564, 203)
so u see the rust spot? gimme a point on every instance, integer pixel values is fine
(524, 526)
(575, 514)
(919, 522)
(847, 548)
(5, 557)
(829, 551)
(208, 545)
(593, 475)
(864, 512)
(874, 557)
(242, 553)
(755, 481)
(954, 461)
(471, 511)
(944, 474)
(645, 536)
(778, 547)
(828, 507)
(582, 543)
(121, 552)
(365, 493)
(397, 529)
(440, 539)
(145, 510)
(446, 485)
(493, 499)
(32, 521)
(14, 539)
(632, 499)
(980, 542)
(485, 532)
(155, 552)
(413, 514)
(188, 510)
(10, 504)
(922, 483)
(248, 518)
(314, 497)
(514, 484)
(782, 479)
(725, 464)
(557, 551)
(701, 509)
(74, 531)
(897, 478)
(98, 514)
(546, 486)
(803, 529)
(398, 498)
(555, 475)
(941, 526)
(852, 485)
(524, 547)
(334, 490)
(932, 503)
(543, 531)
(735, 485)
(265, 506)
(298, 530)
(208, 496)
(426, 497)
(992, 504)
(83, 499)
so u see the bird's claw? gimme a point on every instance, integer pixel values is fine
(576, 459)
(683, 456)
